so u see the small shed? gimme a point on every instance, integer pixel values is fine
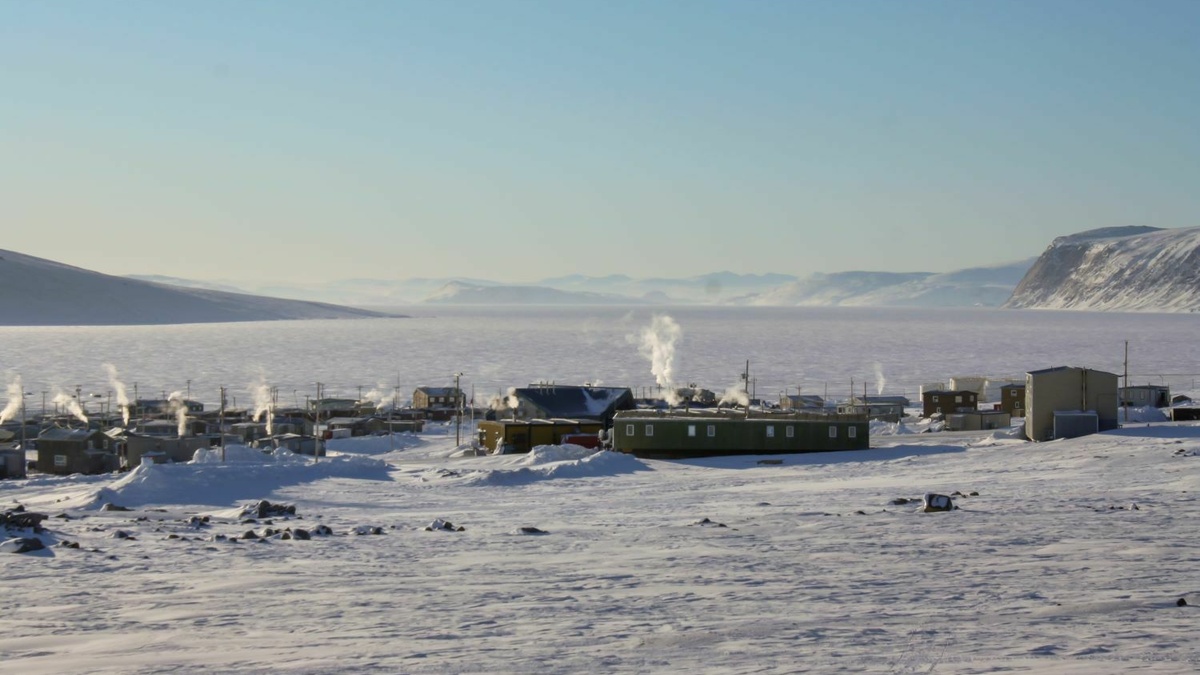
(12, 463)
(978, 420)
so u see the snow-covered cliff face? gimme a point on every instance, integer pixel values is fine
(1123, 269)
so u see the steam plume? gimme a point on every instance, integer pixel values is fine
(261, 392)
(179, 406)
(69, 403)
(382, 397)
(735, 395)
(16, 393)
(499, 403)
(119, 389)
(880, 380)
(658, 344)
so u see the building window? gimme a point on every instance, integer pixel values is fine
(791, 431)
(712, 431)
(60, 461)
(691, 431)
(649, 430)
(832, 431)
(958, 399)
(770, 431)
(935, 399)
(851, 432)
(629, 430)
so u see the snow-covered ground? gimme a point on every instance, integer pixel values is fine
(1070, 559)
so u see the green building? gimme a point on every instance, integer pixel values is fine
(706, 433)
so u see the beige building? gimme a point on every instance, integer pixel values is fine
(1067, 389)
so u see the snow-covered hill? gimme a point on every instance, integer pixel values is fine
(1122, 269)
(39, 292)
(978, 286)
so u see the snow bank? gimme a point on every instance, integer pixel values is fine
(1144, 414)
(246, 474)
(557, 462)
(373, 445)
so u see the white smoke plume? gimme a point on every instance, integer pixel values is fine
(382, 397)
(502, 402)
(880, 380)
(178, 406)
(69, 404)
(261, 393)
(118, 389)
(735, 395)
(658, 344)
(16, 393)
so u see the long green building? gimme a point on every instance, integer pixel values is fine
(707, 433)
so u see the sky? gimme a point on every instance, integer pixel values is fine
(515, 140)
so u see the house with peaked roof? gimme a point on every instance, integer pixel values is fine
(572, 402)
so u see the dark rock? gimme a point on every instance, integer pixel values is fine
(22, 520)
(109, 506)
(122, 534)
(63, 515)
(172, 536)
(265, 509)
(286, 535)
(249, 534)
(900, 501)
(322, 530)
(531, 530)
(301, 534)
(68, 544)
(1181, 603)
(22, 545)
(973, 493)
(368, 529)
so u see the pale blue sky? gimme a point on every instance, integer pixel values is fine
(520, 140)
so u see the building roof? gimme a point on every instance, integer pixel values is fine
(571, 401)
(956, 392)
(437, 391)
(1064, 368)
(64, 434)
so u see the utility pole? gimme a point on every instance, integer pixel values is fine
(317, 427)
(1125, 393)
(221, 424)
(458, 411)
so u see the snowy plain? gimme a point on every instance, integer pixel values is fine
(1070, 559)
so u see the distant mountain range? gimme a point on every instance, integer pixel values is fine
(1123, 269)
(982, 286)
(38, 292)
(1116, 269)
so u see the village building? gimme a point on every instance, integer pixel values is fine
(504, 437)
(883, 408)
(1065, 402)
(12, 463)
(65, 451)
(705, 433)
(801, 402)
(1146, 395)
(1012, 399)
(946, 402)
